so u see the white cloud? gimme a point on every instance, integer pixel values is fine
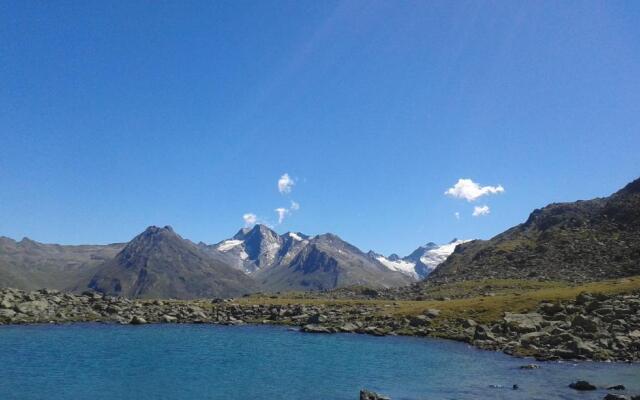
(457, 215)
(285, 183)
(249, 219)
(282, 212)
(294, 206)
(480, 210)
(471, 191)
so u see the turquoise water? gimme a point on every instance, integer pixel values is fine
(93, 361)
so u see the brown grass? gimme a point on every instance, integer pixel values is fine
(506, 295)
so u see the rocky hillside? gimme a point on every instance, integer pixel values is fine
(580, 241)
(28, 264)
(160, 264)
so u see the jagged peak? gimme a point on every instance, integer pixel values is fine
(257, 229)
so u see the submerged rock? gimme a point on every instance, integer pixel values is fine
(582, 386)
(367, 395)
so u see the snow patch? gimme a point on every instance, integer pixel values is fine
(434, 257)
(295, 236)
(405, 267)
(229, 244)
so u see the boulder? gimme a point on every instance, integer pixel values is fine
(169, 319)
(348, 327)
(523, 323)
(317, 319)
(312, 328)
(367, 395)
(7, 314)
(432, 313)
(584, 322)
(32, 307)
(612, 396)
(582, 386)
(136, 320)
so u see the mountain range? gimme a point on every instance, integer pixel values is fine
(159, 263)
(579, 241)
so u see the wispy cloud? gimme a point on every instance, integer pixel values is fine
(250, 219)
(282, 213)
(471, 191)
(457, 215)
(285, 184)
(479, 211)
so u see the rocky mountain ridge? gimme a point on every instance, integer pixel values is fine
(158, 262)
(579, 241)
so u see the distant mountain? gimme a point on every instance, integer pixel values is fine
(259, 248)
(295, 261)
(327, 262)
(421, 262)
(158, 263)
(580, 241)
(30, 265)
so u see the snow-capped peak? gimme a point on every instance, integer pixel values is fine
(422, 261)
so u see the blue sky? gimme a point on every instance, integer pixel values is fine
(118, 115)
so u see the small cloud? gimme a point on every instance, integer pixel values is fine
(457, 215)
(471, 191)
(249, 219)
(282, 213)
(294, 206)
(285, 183)
(480, 211)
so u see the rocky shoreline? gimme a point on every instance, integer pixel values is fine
(591, 327)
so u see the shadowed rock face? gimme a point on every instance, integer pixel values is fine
(160, 264)
(580, 241)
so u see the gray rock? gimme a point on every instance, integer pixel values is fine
(8, 314)
(32, 307)
(348, 327)
(136, 320)
(368, 395)
(523, 323)
(432, 313)
(611, 396)
(312, 328)
(582, 386)
(169, 319)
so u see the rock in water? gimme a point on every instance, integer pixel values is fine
(367, 395)
(617, 397)
(582, 385)
(138, 321)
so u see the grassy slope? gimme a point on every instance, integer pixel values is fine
(505, 295)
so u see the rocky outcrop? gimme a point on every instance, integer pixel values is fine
(581, 241)
(593, 327)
